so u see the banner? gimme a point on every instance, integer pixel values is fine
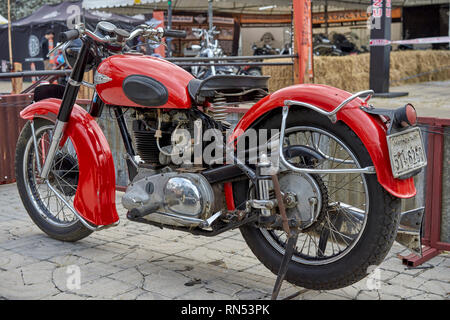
(385, 42)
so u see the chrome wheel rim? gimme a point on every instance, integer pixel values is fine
(348, 205)
(61, 177)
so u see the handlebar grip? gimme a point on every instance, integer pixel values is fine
(69, 35)
(175, 33)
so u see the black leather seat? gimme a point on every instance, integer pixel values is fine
(200, 90)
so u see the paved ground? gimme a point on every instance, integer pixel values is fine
(135, 261)
(431, 99)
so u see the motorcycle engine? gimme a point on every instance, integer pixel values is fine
(144, 128)
(170, 198)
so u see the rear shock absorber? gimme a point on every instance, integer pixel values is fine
(263, 181)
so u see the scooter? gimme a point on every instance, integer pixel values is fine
(311, 175)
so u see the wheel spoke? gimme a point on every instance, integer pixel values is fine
(338, 231)
(64, 169)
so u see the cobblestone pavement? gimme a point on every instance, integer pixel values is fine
(136, 261)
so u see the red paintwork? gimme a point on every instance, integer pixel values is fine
(95, 196)
(371, 131)
(411, 114)
(118, 67)
(228, 189)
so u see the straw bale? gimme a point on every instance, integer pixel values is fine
(351, 73)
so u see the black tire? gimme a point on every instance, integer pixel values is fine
(375, 240)
(27, 188)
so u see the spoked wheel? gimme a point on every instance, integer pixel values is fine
(343, 200)
(354, 220)
(49, 202)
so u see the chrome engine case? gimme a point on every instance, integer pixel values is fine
(177, 199)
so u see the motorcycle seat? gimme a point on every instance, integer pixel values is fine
(227, 86)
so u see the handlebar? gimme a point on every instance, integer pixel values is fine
(175, 33)
(121, 35)
(69, 35)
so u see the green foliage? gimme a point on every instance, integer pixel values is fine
(23, 8)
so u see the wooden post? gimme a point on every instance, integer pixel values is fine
(17, 83)
(303, 41)
(9, 34)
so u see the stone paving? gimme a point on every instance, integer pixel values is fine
(136, 261)
(431, 99)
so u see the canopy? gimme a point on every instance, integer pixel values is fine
(95, 4)
(27, 33)
(63, 12)
(252, 5)
(3, 20)
(249, 6)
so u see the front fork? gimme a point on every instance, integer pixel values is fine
(68, 101)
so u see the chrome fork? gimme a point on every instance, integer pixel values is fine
(57, 135)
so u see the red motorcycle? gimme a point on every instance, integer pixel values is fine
(318, 205)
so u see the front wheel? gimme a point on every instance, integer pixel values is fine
(357, 220)
(48, 203)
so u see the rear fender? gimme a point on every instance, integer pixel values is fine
(369, 129)
(95, 196)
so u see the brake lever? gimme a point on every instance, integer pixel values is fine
(55, 48)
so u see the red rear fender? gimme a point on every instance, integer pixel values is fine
(95, 196)
(371, 132)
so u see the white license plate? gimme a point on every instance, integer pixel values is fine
(406, 152)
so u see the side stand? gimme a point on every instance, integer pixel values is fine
(292, 241)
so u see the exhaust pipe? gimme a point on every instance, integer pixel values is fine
(409, 233)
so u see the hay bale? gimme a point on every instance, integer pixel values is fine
(280, 76)
(351, 73)
(419, 66)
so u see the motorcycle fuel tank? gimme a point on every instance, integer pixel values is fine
(135, 80)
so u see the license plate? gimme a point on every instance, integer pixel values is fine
(406, 152)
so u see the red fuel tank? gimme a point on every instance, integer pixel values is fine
(134, 80)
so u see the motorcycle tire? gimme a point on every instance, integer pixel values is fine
(375, 239)
(41, 203)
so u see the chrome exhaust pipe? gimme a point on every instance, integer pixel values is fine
(409, 233)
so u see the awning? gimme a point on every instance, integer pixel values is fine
(131, 7)
(250, 4)
(184, 4)
(96, 4)
(3, 20)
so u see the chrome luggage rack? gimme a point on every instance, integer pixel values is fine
(332, 116)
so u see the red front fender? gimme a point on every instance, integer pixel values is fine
(371, 132)
(95, 196)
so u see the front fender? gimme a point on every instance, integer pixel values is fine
(369, 130)
(95, 196)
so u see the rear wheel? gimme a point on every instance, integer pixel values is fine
(356, 221)
(49, 204)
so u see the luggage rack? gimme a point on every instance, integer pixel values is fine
(332, 114)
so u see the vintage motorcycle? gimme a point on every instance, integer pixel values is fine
(209, 48)
(318, 205)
